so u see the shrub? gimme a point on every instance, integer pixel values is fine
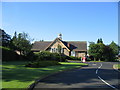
(38, 64)
(31, 56)
(74, 58)
(9, 55)
(44, 55)
(48, 56)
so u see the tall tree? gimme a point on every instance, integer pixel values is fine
(103, 52)
(59, 51)
(21, 43)
(100, 40)
(4, 38)
(108, 54)
(96, 50)
(114, 47)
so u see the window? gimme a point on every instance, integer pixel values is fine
(56, 50)
(62, 50)
(51, 50)
(72, 53)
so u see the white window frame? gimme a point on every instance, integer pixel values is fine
(73, 53)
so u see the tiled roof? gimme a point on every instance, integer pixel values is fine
(76, 45)
(72, 45)
(40, 45)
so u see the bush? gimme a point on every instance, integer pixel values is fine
(44, 55)
(38, 64)
(9, 55)
(47, 56)
(74, 58)
(30, 56)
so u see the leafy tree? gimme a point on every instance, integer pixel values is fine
(59, 50)
(4, 38)
(114, 47)
(100, 51)
(100, 40)
(21, 42)
(108, 53)
(103, 52)
(96, 50)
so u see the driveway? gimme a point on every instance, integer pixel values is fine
(96, 75)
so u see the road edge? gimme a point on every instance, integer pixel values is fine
(115, 68)
(31, 87)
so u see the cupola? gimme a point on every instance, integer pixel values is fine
(60, 36)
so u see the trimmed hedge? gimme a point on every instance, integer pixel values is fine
(38, 64)
(74, 58)
(9, 55)
(48, 56)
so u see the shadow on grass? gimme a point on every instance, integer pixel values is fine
(25, 74)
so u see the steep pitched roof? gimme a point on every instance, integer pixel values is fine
(78, 45)
(71, 45)
(39, 45)
(54, 41)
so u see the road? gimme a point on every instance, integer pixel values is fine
(96, 75)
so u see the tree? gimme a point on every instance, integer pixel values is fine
(21, 43)
(100, 40)
(108, 54)
(96, 50)
(114, 47)
(59, 51)
(103, 52)
(4, 38)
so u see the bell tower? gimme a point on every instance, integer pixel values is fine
(60, 36)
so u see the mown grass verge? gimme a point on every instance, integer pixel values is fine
(15, 75)
(96, 61)
(117, 66)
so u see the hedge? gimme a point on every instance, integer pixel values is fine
(38, 64)
(48, 56)
(8, 54)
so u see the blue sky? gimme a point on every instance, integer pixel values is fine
(77, 21)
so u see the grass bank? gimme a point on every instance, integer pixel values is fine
(117, 66)
(96, 61)
(15, 75)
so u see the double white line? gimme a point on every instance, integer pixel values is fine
(102, 79)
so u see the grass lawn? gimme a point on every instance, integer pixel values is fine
(15, 75)
(74, 60)
(96, 61)
(117, 66)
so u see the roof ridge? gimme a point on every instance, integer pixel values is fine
(76, 41)
(43, 41)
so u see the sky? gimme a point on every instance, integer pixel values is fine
(77, 21)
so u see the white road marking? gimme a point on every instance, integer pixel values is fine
(98, 68)
(106, 82)
(102, 79)
(96, 71)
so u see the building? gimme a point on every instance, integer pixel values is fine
(69, 48)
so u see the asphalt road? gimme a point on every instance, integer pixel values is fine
(96, 75)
